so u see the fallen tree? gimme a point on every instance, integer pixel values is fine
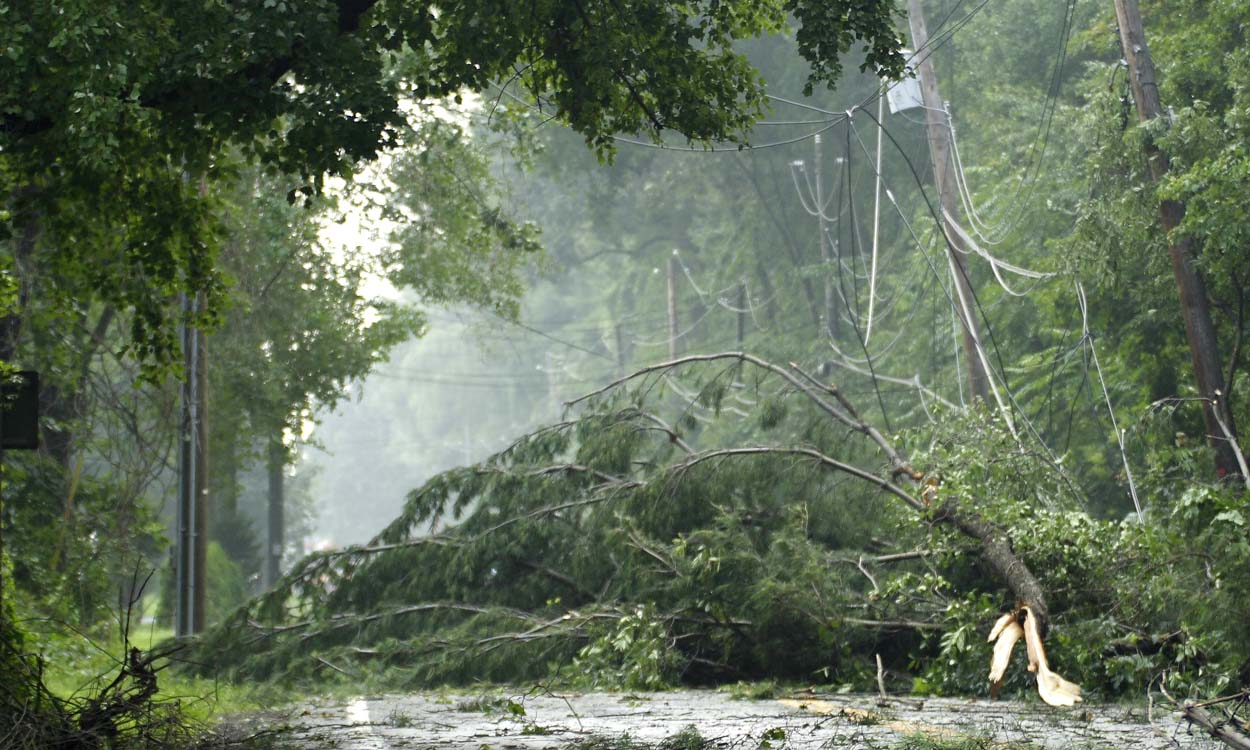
(996, 547)
(747, 521)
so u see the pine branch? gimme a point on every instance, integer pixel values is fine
(812, 453)
(844, 412)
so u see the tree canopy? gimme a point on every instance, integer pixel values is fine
(115, 114)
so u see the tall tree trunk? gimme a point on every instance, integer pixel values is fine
(1195, 304)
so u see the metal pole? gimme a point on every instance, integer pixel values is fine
(826, 258)
(876, 221)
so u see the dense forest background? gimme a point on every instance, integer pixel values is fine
(703, 516)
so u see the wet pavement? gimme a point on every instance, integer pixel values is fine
(499, 720)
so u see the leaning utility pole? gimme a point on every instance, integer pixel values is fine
(944, 178)
(1195, 305)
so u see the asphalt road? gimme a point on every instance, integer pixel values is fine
(502, 720)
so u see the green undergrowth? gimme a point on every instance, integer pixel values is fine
(77, 663)
(103, 687)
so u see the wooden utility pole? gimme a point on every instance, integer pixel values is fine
(948, 197)
(184, 547)
(620, 349)
(199, 525)
(553, 394)
(672, 306)
(2, 565)
(1195, 304)
(277, 520)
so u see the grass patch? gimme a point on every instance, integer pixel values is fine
(753, 691)
(687, 739)
(106, 686)
(958, 742)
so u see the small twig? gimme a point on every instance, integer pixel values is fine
(880, 677)
(915, 554)
(860, 564)
(642, 547)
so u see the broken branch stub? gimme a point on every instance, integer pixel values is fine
(1227, 728)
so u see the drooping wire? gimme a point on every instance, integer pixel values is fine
(996, 265)
(1014, 211)
(938, 222)
(876, 225)
(1088, 340)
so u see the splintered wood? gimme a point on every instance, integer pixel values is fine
(1009, 628)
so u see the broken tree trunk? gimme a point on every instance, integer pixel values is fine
(1000, 557)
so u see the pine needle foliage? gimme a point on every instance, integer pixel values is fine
(607, 549)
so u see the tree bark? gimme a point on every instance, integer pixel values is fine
(1000, 557)
(1221, 729)
(1195, 304)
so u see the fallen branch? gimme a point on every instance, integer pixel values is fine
(1226, 730)
(812, 453)
(893, 624)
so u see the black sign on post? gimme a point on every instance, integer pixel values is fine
(19, 411)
